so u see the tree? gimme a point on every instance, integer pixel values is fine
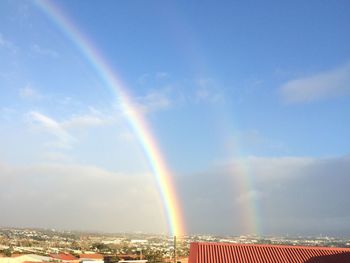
(100, 247)
(7, 252)
(153, 256)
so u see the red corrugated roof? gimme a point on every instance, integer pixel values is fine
(63, 256)
(249, 253)
(91, 256)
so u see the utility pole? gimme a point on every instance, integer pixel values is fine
(174, 249)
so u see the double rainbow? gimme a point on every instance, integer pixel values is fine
(134, 116)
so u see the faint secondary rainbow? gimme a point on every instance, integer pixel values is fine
(134, 116)
(246, 195)
(247, 200)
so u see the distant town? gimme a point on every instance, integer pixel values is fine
(49, 245)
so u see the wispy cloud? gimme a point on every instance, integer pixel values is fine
(154, 101)
(28, 92)
(64, 130)
(148, 78)
(170, 92)
(45, 51)
(207, 91)
(162, 75)
(320, 86)
(5, 43)
(92, 118)
(47, 124)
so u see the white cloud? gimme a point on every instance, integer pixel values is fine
(207, 91)
(29, 92)
(90, 119)
(45, 51)
(156, 100)
(320, 86)
(47, 124)
(66, 132)
(83, 121)
(173, 93)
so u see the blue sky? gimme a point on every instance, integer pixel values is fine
(218, 83)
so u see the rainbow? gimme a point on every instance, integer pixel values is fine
(244, 183)
(134, 116)
(243, 179)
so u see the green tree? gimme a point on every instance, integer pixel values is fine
(7, 252)
(153, 256)
(100, 247)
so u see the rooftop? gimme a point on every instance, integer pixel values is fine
(63, 256)
(244, 253)
(91, 256)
